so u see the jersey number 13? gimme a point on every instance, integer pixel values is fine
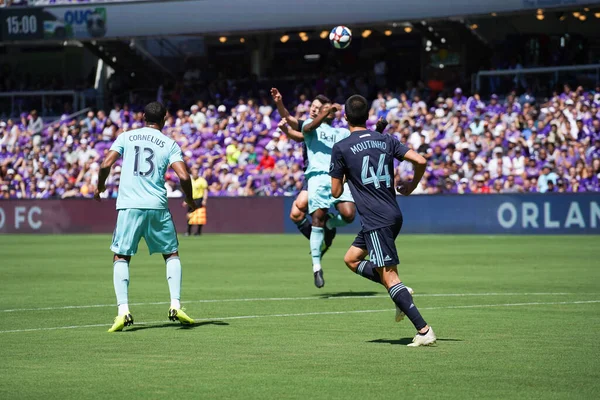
(148, 153)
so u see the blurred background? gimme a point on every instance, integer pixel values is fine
(500, 98)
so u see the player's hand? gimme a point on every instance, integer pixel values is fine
(406, 188)
(191, 204)
(277, 97)
(381, 125)
(283, 125)
(336, 107)
(325, 109)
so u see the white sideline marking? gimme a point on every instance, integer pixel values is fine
(311, 314)
(289, 299)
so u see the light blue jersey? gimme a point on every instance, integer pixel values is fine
(319, 143)
(147, 154)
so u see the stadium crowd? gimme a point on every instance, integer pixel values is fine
(508, 145)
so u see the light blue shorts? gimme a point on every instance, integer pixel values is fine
(319, 193)
(155, 226)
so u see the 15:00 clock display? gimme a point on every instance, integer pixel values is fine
(21, 25)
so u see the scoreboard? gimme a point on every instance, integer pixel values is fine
(22, 23)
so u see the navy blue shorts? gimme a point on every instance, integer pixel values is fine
(380, 243)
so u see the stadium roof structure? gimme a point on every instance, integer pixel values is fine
(164, 18)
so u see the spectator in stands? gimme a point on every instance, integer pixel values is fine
(547, 179)
(469, 150)
(267, 162)
(35, 127)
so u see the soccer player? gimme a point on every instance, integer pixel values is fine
(142, 207)
(365, 159)
(320, 137)
(300, 205)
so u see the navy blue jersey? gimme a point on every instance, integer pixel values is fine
(304, 149)
(366, 159)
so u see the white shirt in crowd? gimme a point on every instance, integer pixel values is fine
(115, 116)
(518, 164)
(265, 110)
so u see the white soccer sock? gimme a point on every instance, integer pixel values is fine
(316, 267)
(175, 304)
(123, 309)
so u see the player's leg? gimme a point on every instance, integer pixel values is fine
(346, 208)
(317, 236)
(174, 279)
(347, 213)
(403, 299)
(161, 237)
(126, 237)
(319, 201)
(384, 254)
(355, 259)
(298, 214)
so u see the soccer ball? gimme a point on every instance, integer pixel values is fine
(340, 37)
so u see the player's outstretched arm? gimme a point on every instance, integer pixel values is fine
(290, 131)
(105, 167)
(419, 163)
(186, 182)
(285, 114)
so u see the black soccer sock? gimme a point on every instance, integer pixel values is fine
(401, 296)
(199, 230)
(304, 227)
(189, 231)
(368, 270)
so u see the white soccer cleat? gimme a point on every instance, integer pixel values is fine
(423, 340)
(399, 314)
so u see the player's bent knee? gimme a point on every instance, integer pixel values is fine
(301, 205)
(349, 217)
(120, 257)
(167, 256)
(318, 218)
(351, 263)
(296, 214)
(302, 201)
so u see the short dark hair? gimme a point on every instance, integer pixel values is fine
(323, 99)
(155, 113)
(357, 110)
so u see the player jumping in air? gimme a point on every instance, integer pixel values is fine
(365, 159)
(298, 213)
(300, 205)
(320, 137)
(142, 207)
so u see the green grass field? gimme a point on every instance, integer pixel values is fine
(516, 317)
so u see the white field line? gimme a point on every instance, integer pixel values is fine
(216, 319)
(290, 299)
